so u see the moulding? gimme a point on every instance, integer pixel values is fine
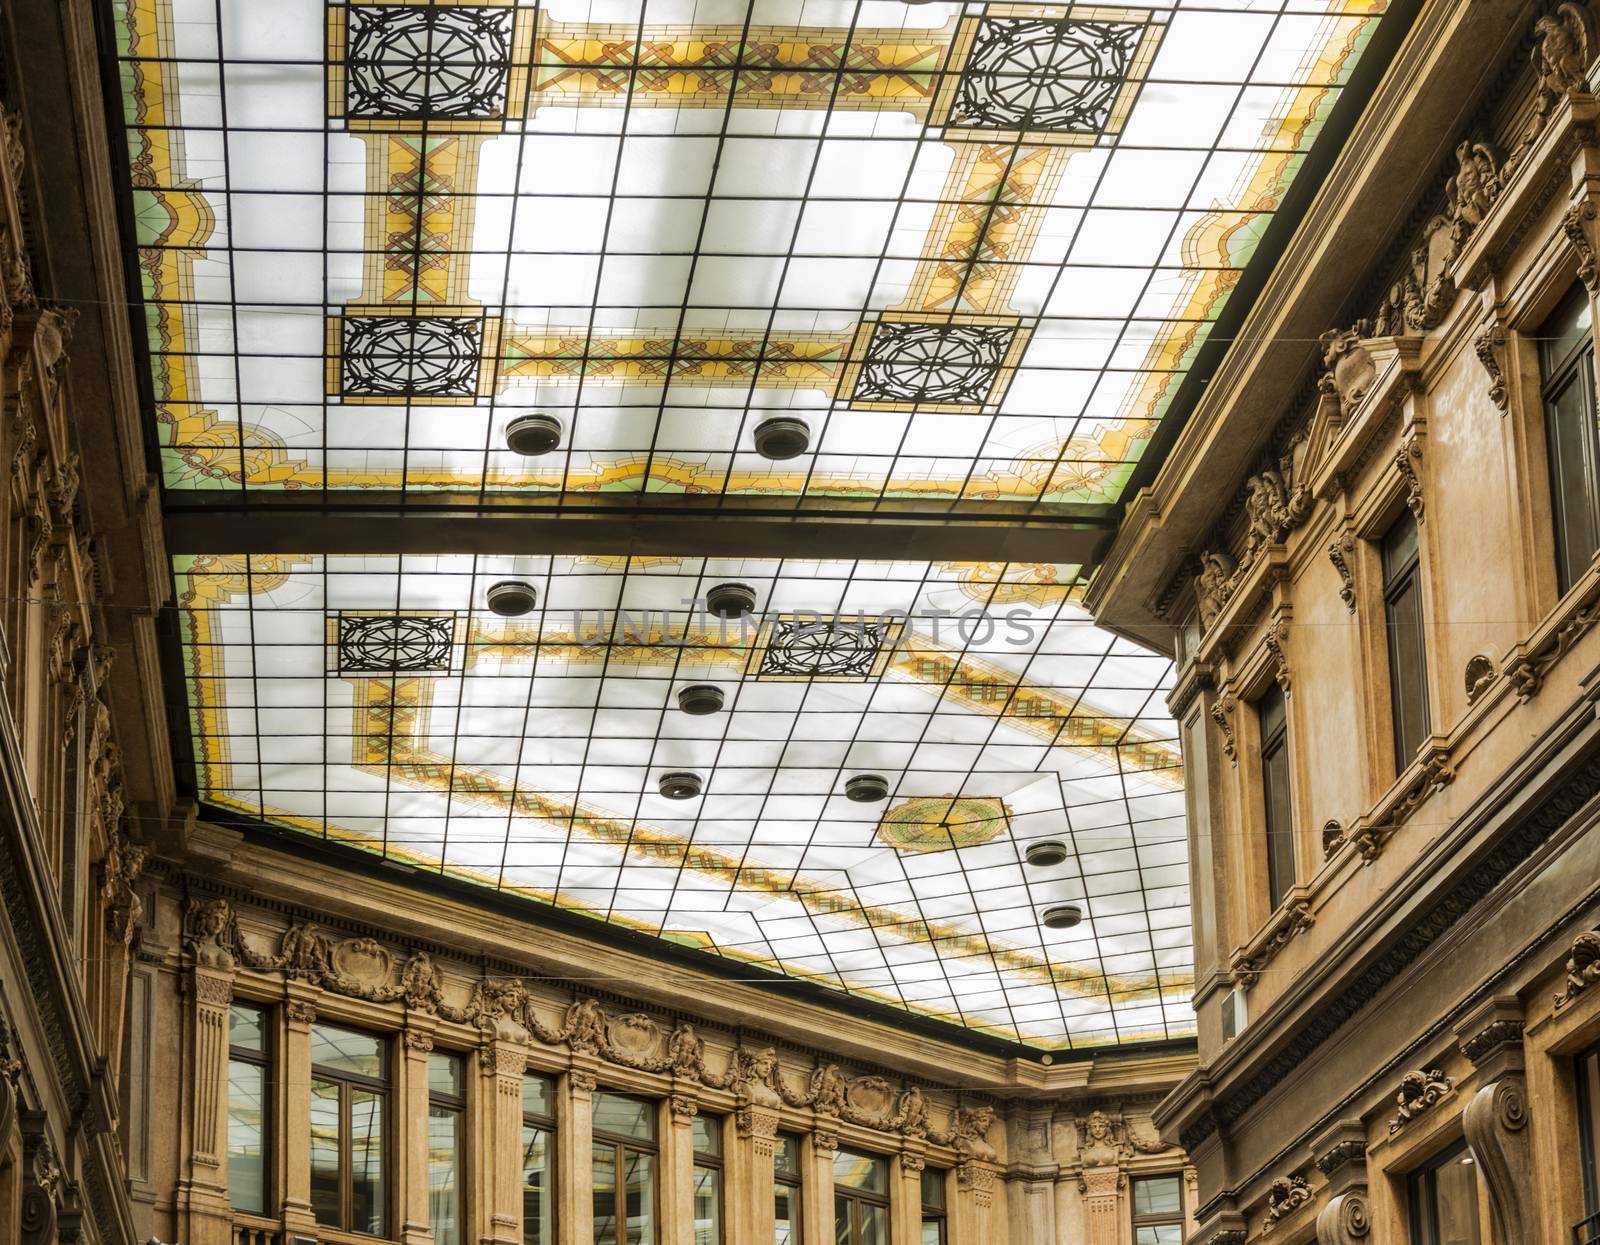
(1293, 917)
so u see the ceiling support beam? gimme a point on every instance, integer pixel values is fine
(367, 524)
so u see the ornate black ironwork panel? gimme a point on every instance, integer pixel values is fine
(411, 356)
(395, 644)
(953, 364)
(427, 62)
(822, 649)
(1036, 74)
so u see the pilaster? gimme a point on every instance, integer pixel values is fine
(502, 1065)
(574, 1142)
(1496, 1120)
(750, 1190)
(816, 1215)
(974, 1201)
(1102, 1214)
(411, 1129)
(299, 1014)
(676, 1186)
(905, 1198)
(209, 1217)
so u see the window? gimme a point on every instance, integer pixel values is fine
(933, 1216)
(1587, 1067)
(1566, 370)
(447, 1110)
(1158, 1210)
(1275, 794)
(1444, 1200)
(349, 1111)
(1408, 658)
(707, 1180)
(538, 1156)
(860, 1199)
(249, 1108)
(786, 1190)
(624, 1170)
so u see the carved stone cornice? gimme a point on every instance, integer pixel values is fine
(1292, 917)
(1418, 1092)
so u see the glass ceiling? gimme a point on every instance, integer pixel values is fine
(373, 700)
(972, 245)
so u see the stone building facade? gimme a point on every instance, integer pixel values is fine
(1371, 562)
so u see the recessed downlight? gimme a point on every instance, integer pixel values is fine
(1045, 852)
(731, 600)
(700, 699)
(782, 437)
(511, 597)
(532, 435)
(866, 788)
(1061, 916)
(680, 785)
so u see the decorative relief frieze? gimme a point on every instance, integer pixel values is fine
(1418, 1092)
(1111, 1139)
(1286, 1195)
(1583, 967)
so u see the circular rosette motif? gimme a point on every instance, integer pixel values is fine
(937, 823)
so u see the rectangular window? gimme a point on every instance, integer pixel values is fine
(249, 1108)
(349, 1117)
(1275, 794)
(1566, 371)
(1158, 1210)
(1408, 656)
(1587, 1068)
(707, 1180)
(538, 1158)
(933, 1207)
(447, 1112)
(1444, 1200)
(624, 1170)
(786, 1189)
(860, 1199)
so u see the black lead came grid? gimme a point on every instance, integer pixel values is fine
(664, 258)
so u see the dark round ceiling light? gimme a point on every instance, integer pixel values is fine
(731, 600)
(532, 435)
(511, 598)
(1061, 916)
(700, 699)
(680, 785)
(1045, 852)
(867, 788)
(782, 437)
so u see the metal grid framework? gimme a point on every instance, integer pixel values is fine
(673, 217)
(375, 701)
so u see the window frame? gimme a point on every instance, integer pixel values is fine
(1557, 373)
(858, 1197)
(621, 1143)
(1153, 1219)
(546, 1124)
(384, 1086)
(265, 1060)
(934, 1214)
(456, 1106)
(704, 1160)
(1422, 1196)
(793, 1179)
(1273, 747)
(1397, 582)
(1588, 1112)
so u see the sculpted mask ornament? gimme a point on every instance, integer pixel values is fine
(1583, 966)
(1287, 1194)
(1418, 1092)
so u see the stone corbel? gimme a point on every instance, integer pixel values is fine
(1490, 347)
(1496, 1120)
(1222, 714)
(1406, 460)
(1340, 1154)
(1339, 551)
(42, 1182)
(1275, 638)
(1578, 224)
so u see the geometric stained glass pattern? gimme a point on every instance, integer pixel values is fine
(817, 649)
(531, 766)
(397, 644)
(411, 356)
(1037, 74)
(933, 364)
(413, 63)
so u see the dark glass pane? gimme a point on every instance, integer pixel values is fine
(1588, 1071)
(707, 1206)
(346, 1050)
(537, 1191)
(1280, 820)
(933, 1232)
(1408, 672)
(247, 1136)
(1158, 1234)
(605, 1194)
(1567, 330)
(932, 1187)
(325, 1153)
(874, 1224)
(1399, 546)
(786, 1153)
(785, 1215)
(1569, 418)
(1456, 1191)
(707, 1134)
(639, 1175)
(537, 1096)
(247, 1028)
(630, 1117)
(843, 1221)
(444, 1175)
(1157, 1195)
(859, 1171)
(1270, 707)
(368, 1192)
(444, 1074)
